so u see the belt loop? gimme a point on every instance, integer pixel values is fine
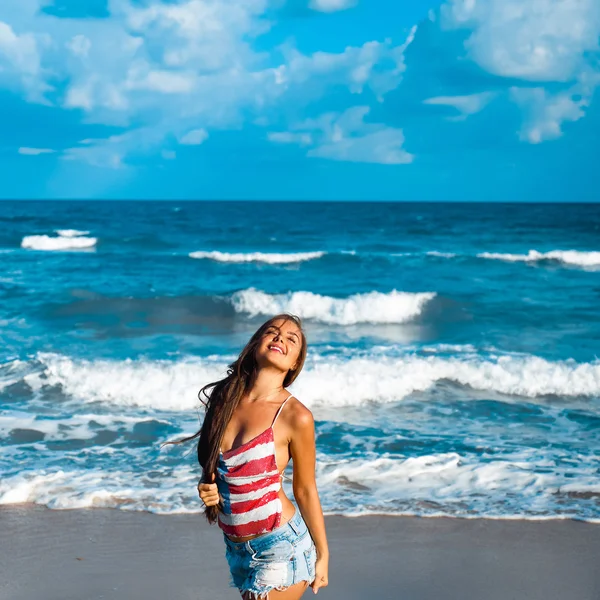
(293, 522)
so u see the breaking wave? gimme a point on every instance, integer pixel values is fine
(71, 232)
(569, 257)
(326, 380)
(264, 257)
(371, 307)
(68, 239)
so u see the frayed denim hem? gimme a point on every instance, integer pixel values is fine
(263, 594)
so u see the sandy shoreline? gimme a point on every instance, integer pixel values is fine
(92, 554)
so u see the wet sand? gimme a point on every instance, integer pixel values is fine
(93, 554)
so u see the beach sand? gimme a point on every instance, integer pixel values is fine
(98, 553)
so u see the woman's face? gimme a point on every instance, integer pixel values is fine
(280, 345)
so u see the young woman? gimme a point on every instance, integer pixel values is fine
(253, 427)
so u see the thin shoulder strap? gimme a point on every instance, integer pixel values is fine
(280, 408)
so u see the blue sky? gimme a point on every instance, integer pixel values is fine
(300, 99)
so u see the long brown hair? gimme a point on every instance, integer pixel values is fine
(223, 397)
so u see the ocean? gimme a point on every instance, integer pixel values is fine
(453, 349)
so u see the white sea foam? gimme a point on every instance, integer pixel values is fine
(441, 254)
(66, 489)
(514, 482)
(13, 372)
(446, 484)
(437, 477)
(163, 385)
(71, 232)
(568, 257)
(359, 380)
(453, 348)
(435, 253)
(272, 258)
(326, 380)
(62, 242)
(73, 427)
(372, 307)
(450, 483)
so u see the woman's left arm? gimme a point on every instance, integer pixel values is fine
(303, 453)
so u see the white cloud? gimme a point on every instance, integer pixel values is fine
(165, 82)
(378, 66)
(195, 137)
(196, 52)
(80, 97)
(209, 34)
(180, 69)
(465, 105)
(535, 40)
(79, 45)
(35, 151)
(20, 50)
(20, 63)
(169, 154)
(382, 146)
(288, 137)
(332, 5)
(545, 113)
(111, 152)
(347, 137)
(94, 94)
(544, 41)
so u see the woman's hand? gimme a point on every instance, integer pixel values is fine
(321, 574)
(208, 492)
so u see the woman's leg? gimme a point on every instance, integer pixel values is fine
(294, 592)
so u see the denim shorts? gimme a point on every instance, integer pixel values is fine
(274, 560)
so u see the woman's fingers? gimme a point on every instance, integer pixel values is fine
(209, 493)
(210, 500)
(321, 576)
(319, 583)
(207, 488)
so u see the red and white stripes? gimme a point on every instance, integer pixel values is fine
(249, 482)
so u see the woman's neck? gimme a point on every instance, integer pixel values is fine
(267, 385)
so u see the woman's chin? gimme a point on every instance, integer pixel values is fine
(270, 361)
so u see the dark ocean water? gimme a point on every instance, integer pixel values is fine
(453, 360)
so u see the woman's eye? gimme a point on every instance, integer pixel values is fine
(292, 340)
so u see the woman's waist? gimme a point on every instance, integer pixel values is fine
(291, 527)
(237, 521)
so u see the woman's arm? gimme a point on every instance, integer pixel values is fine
(303, 453)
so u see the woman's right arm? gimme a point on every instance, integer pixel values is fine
(303, 452)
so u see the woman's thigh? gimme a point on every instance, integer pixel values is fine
(294, 592)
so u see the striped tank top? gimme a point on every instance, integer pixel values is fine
(249, 482)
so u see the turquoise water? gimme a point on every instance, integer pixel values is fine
(452, 364)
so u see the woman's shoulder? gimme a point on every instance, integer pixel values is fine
(296, 413)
